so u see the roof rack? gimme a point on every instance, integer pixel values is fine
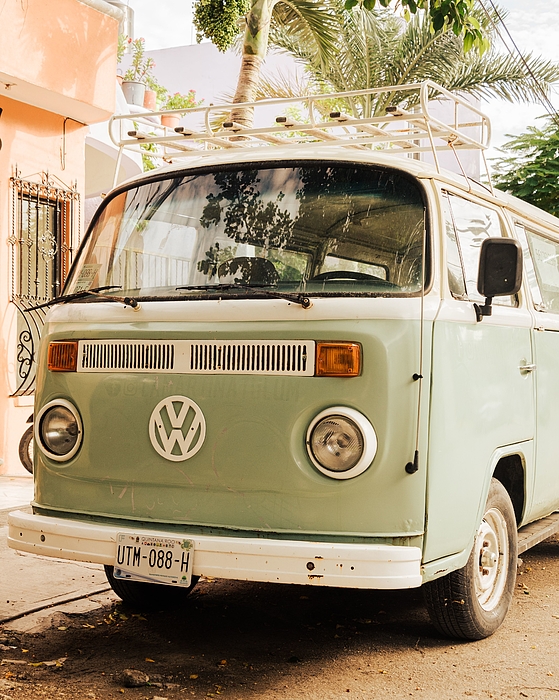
(402, 129)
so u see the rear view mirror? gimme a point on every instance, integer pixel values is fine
(500, 267)
(500, 271)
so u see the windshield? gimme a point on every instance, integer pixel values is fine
(322, 229)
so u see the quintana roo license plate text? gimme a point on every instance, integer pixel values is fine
(154, 559)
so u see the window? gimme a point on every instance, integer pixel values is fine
(468, 224)
(332, 262)
(545, 256)
(323, 229)
(44, 219)
(456, 280)
(40, 240)
(529, 269)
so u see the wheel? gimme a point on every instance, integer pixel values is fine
(26, 449)
(346, 275)
(148, 596)
(350, 276)
(471, 603)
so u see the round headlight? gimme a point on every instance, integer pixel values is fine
(58, 430)
(337, 443)
(341, 442)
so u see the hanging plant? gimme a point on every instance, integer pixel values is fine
(218, 20)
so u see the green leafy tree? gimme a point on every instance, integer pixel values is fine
(220, 21)
(529, 167)
(376, 49)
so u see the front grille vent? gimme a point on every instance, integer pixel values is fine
(251, 358)
(293, 358)
(121, 356)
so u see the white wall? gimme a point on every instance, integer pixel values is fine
(202, 67)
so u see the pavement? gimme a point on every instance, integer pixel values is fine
(15, 491)
(35, 589)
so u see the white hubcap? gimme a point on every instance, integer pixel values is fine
(491, 559)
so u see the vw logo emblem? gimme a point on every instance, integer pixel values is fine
(177, 428)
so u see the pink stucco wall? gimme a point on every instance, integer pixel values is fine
(34, 141)
(59, 58)
(60, 52)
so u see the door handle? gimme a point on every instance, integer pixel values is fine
(526, 368)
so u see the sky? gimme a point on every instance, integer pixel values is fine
(533, 24)
(171, 27)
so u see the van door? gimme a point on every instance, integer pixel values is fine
(541, 255)
(482, 395)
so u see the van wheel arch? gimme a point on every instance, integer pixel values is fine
(510, 472)
(472, 602)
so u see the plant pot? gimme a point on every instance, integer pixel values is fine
(170, 120)
(134, 92)
(150, 100)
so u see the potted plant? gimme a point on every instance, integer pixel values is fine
(156, 94)
(137, 75)
(120, 51)
(175, 102)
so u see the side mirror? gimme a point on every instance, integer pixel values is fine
(500, 271)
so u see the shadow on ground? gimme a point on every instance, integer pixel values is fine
(232, 635)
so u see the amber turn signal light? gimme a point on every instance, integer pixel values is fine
(338, 359)
(63, 356)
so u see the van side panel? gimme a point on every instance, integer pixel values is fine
(541, 252)
(481, 400)
(546, 354)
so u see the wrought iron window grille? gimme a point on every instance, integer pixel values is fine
(45, 230)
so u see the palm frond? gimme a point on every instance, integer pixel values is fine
(507, 77)
(280, 85)
(376, 49)
(312, 21)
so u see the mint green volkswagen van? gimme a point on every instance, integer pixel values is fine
(305, 354)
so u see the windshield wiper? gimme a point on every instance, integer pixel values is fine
(263, 289)
(95, 292)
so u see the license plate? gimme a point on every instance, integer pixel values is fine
(154, 559)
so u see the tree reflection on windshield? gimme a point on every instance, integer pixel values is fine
(318, 227)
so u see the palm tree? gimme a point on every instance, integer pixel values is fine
(313, 23)
(310, 20)
(376, 49)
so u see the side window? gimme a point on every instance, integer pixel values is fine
(545, 254)
(454, 267)
(529, 269)
(473, 223)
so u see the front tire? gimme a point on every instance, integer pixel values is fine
(148, 596)
(471, 603)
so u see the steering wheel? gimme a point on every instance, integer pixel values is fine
(346, 275)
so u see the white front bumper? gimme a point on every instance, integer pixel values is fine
(245, 559)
